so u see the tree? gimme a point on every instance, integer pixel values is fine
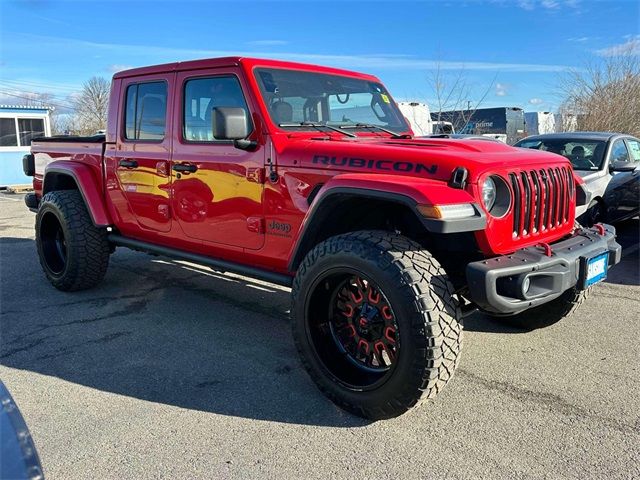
(452, 93)
(604, 95)
(91, 106)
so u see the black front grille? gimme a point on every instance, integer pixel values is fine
(541, 199)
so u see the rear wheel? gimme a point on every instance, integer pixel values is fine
(74, 254)
(375, 322)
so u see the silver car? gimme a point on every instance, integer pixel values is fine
(609, 164)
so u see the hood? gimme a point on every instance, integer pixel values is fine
(425, 157)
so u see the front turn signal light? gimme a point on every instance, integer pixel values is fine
(447, 212)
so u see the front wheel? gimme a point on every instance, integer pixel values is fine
(375, 322)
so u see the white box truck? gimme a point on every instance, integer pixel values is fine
(538, 123)
(419, 116)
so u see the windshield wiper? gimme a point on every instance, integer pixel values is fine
(317, 126)
(372, 126)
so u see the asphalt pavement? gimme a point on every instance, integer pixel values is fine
(170, 370)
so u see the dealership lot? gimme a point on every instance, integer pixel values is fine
(171, 370)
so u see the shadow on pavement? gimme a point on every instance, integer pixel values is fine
(164, 332)
(181, 335)
(628, 271)
(481, 322)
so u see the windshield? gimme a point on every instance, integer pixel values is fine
(583, 154)
(296, 97)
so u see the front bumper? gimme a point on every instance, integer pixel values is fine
(495, 284)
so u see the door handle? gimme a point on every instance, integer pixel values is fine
(125, 162)
(184, 168)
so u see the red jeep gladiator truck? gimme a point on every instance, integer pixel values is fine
(309, 177)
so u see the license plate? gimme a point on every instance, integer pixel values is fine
(596, 269)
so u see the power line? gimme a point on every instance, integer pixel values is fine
(31, 99)
(11, 91)
(18, 91)
(20, 83)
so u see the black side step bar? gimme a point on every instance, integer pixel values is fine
(218, 265)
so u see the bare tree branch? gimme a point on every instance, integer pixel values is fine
(604, 95)
(91, 106)
(454, 93)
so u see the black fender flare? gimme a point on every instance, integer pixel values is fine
(322, 205)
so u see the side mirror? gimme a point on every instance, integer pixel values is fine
(232, 123)
(229, 123)
(619, 166)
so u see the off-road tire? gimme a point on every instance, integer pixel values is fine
(549, 313)
(428, 317)
(86, 248)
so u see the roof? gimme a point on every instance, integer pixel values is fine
(577, 135)
(247, 62)
(25, 107)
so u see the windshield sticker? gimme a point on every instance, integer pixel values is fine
(385, 98)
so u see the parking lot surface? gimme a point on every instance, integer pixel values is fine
(170, 370)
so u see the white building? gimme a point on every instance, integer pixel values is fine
(18, 125)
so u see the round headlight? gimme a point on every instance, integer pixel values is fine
(488, 193)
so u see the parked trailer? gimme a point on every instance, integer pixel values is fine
(539, 123)
(418, 116)
(566, 122)
(502, 120)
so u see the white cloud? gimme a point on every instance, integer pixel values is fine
(501, 90)
(526, 4)
(579, 39)
(151, 54)
(630, 47)
(267, 43)
(118, 67)
(536, 101)
(547, 4)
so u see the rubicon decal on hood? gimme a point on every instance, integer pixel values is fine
(388, 165)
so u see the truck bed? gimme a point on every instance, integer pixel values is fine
(70, 139)
(86, 150)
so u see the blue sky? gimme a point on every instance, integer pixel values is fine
(514, 51)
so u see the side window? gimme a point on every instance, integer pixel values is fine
(30, 128)
(201, 96)
(8, 137)
(634, 150)
(619, 152)
(146, 111)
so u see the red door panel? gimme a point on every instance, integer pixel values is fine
(142, 158)
(217, 192)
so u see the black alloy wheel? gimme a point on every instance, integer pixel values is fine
(54, 245)
(357, 336)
